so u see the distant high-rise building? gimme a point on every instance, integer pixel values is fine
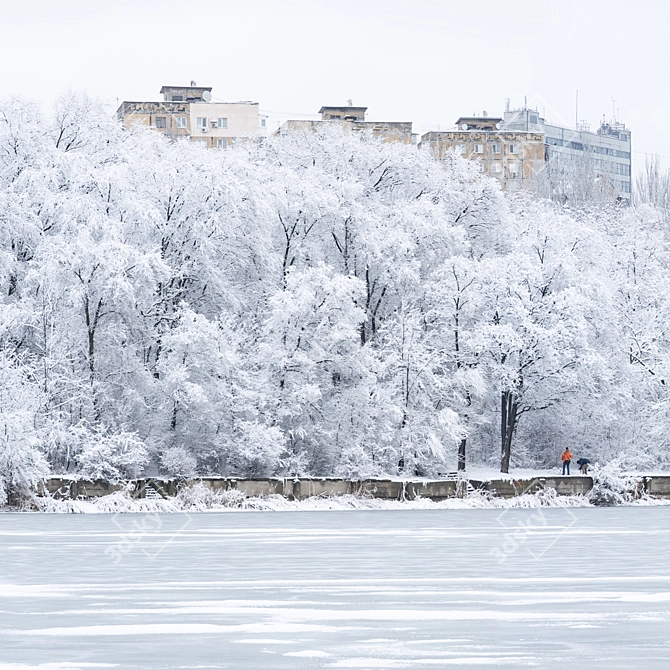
(607, 152)
(188, 111)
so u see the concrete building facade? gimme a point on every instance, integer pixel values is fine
(511, 157)
(352, 119)
(188, 112)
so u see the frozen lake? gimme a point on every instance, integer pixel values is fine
(587, 588)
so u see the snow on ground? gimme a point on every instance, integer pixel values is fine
(367, 589)
(483, 474)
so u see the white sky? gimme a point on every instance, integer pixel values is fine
(426, 61)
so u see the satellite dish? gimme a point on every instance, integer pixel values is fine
(498, 125)
(207, 96)
(464, 126)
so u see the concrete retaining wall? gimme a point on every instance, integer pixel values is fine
(383, 489)
(659, 487)
(81, 488)
(564, 486)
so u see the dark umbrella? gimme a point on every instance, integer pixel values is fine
(583, 461)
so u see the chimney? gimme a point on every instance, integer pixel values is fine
(193, 84)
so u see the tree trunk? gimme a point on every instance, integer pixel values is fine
(91, 326)
(461, 454)
(509, 406)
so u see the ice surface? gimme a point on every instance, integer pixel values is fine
(578, 588)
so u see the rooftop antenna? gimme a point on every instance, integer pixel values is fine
(350, 102)
(525, 102)
(507, 101)
(614, 120)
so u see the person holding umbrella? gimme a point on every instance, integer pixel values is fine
(566, 457)
(583, 464)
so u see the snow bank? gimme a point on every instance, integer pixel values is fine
(199, 498)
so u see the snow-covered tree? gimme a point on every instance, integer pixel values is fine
(319, 304)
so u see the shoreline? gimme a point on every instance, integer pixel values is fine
(201, 500)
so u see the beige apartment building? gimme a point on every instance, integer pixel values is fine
(188, 112)
(352, 119)
(512, 157)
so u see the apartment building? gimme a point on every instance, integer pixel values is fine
(511, 157)
(607, 152)
(189, 112)
(520, 145)
(352, 119)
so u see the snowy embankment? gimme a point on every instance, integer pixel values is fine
(608, 490)
(199, 498)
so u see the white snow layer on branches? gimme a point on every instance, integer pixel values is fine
(321, 304)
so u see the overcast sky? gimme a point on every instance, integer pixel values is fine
(426, 61)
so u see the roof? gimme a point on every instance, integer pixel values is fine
(186, 88)
(343, 108)
(479, 119)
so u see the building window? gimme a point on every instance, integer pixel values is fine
(514, 148)
(202, 122)
(497, 167)
(460, 149)
(181, 122)
(202, 143)
(161, 122)
(533, 118)
(479, 149)
(222, 123)
(513, 169)
(222, 143)
(177, 98)
(262, 123)
(495, 148)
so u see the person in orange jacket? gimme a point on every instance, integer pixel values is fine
(566, 457)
